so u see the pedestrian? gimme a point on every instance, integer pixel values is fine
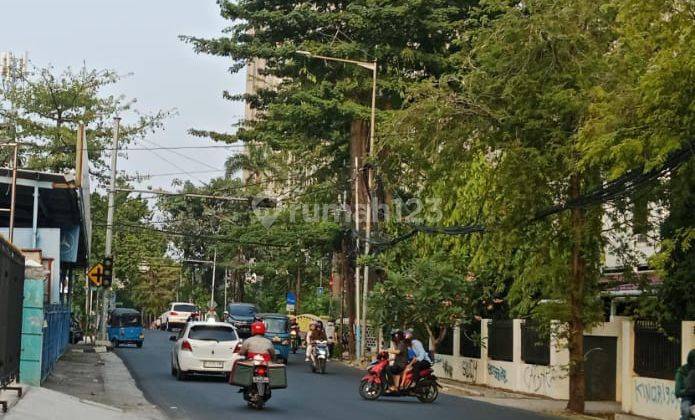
(685, 385)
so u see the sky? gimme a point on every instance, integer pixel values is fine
(140, 37)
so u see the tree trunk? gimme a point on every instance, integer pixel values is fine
(576, 300)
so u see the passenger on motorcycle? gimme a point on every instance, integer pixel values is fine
(312, 327)
(257, 343)
(685, 385)
(400, 350)
(419, 359)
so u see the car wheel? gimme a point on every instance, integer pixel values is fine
(180, 376)
(115, 343)
(167, 328)
(173, 370)
(139, 344)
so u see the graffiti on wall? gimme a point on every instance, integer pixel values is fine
(448, 369)
(469, 369)
(497, 372)
(538, 379)
(655, 393)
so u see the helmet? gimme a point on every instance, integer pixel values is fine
(408, 335)
(258, 328)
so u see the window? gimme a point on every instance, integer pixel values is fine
(212, 333)
(184, 307)
(276, 325)
(242, 310)
(470, 339)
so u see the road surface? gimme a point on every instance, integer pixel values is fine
(332, 396)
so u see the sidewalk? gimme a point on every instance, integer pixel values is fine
(538, 404)
(85, 385)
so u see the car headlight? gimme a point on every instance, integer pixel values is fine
(285, 342)
(142, 336)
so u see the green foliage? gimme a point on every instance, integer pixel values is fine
(43, 108)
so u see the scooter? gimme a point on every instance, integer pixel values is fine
(319, 356)
(376, 383)
(259, 392)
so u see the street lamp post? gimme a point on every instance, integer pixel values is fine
(370, 179)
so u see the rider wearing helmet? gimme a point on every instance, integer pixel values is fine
(257, 343)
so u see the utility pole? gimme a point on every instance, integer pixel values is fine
(370, 201)
(226, 280)
(358, 332)
(109, 224)
(214, 268)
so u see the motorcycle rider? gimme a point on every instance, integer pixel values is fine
(685, 385)
(257, 343)
(400, 352)
(318, 334)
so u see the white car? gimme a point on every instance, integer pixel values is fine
(178, 315)
(204, 348)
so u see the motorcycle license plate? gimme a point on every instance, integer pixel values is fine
(213, 364)
(261, 379)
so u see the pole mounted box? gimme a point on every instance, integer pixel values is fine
(107, 274)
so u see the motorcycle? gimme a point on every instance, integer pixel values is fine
(294, 338)
(376, 383)
(319, 356)
(258, 393)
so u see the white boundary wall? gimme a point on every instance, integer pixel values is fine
(647, 397)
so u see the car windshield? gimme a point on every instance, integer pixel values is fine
(125, 320)
(212, 333)
(242, 310)
(276, 325)
(185, 308)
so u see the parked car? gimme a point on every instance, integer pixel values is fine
(241, 315)
(204, 348)
(178, 314)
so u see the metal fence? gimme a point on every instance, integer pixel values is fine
(535, 346)
(446, 346)
(11, 296)
(501, 340)
(470, 339)
(657, 349)
(56, 334)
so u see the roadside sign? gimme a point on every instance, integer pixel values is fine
(95, 274)
(291, 298)
(319, 291)
(289, 308)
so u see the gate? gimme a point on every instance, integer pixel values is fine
(599, 367)
(11, 292)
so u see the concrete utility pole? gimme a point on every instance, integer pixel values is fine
(361, 328)
(214, 268)
(109, 224)
(370, 209)
(358, 332)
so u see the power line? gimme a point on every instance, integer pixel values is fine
(231, 239)
(622, 186)
(192, 159)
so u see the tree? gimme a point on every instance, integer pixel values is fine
(426, 293)
(499, 143)
(42, 109)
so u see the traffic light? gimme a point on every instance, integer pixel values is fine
(108, 272)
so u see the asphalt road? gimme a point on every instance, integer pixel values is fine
(309, 396)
